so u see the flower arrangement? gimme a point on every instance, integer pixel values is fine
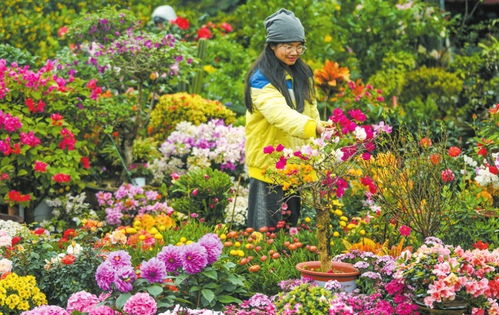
(20, 293)
(318, 171)
(440, 273)
(128, 201)
(212, 144)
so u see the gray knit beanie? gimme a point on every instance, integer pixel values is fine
(283, 27)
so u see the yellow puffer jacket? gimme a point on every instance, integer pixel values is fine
(273, 122)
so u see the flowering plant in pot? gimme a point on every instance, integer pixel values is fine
(319, 171)
(443, 274)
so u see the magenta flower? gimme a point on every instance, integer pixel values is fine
(194, 258)
(124, 279)
(81, 301)
(105, 275)
(281, 163)
(119, 259)
(211, 242)
(153, 270)
(405, 230)
(102, 310)
(140, 304)
(268, 149)
(357, 114)
(171, 256)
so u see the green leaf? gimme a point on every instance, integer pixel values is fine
(121, 300)
(235, 280)
(227, 299)
(155, 290)
(212, 274)
(208, 295)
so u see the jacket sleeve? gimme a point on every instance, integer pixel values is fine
(272, 105)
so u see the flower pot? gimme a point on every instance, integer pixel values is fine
(456, 307)
(346, 275)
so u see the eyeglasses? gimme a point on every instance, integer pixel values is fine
(300, 50)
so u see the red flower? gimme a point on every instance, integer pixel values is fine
(181, 22)
(92, 84)
(493, 169)
(454, 151)
(69, 233)
(405, 230)
(481, 245)
(204, 32)
(16, 196)
(369, 182)
(39, 231)
(482, 151)
(56, 119)
(40, 167)
(448, 175)
(226, 27)
(4, 176)
(16, 239)
(85, 161)
(68, 259)
(61, 178)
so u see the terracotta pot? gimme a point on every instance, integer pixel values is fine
(456, 307)
(346, 277)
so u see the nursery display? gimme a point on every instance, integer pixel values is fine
(123, 184)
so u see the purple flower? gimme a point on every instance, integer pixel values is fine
(119, 259)
(171, 256)
(211, 242)
(104, 275)
(124, 279)
(153, 270)
(194, 258)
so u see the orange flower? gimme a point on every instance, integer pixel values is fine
(425, 142)
(435, 158)
(331, 74)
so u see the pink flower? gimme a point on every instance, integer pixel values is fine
(140, 304)
(82, 301)
(405, 230)
(61, 178)
(195, 192)
(357, 114)
(29, 139)
(279, 148)
(174, 176)
(448, 175)
(281, 163)
(268, 149)
(293, 231)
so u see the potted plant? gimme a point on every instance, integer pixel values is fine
(450, 279)
(318, 172)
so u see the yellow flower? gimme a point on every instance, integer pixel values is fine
(307, 219)
(336, 234)
(343, 218)
(338, 212)
(328, 38)
(131, 230)
(343, 223)
(209, 68)
(362, 232)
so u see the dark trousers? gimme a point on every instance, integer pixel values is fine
(265, 205)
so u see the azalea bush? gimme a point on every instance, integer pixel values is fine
(213, 144)
(37, 143)
(318, 171)
(440, 273)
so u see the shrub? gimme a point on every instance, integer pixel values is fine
(203, 191)
(174, 108)
(12, 54)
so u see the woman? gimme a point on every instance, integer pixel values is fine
(281, 109)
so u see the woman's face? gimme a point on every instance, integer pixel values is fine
(289, 52)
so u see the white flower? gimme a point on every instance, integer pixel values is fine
(5, 265)
(469, 161)
(338, 154)
(485, 177)
(360, 133)
(74, 249)
(5, 239)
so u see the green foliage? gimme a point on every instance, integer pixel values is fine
(228, 63)
(306, 298)
(20, 56)
(174, 108)
(433, 88)
(202, 191)
(145, 149)
(214, 287)
(391, 77)
(57, 280)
